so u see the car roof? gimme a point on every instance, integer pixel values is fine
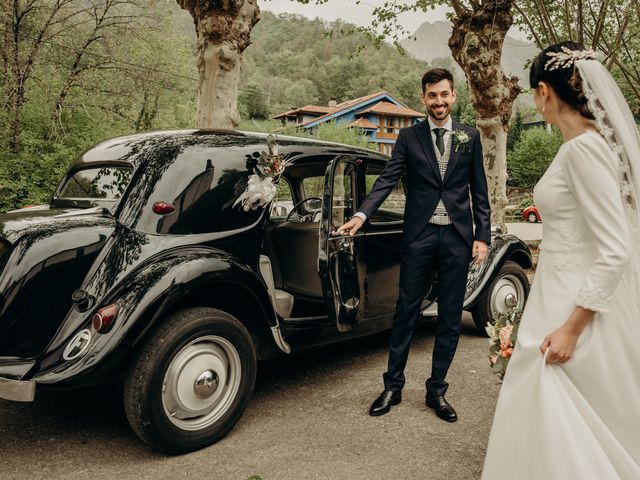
(126, 150)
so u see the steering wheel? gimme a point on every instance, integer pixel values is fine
(299, 204)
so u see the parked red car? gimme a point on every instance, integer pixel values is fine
(531, 215)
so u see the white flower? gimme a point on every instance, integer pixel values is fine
(460, 139)
(258, 193)
(491, 332)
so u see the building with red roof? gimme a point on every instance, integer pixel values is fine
(379, 115)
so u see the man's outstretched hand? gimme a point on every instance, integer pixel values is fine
(351, 227)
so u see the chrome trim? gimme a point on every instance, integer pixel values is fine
(17, 390)
(279, 339)
(497, 229)
(194, 399)
(78, 345)
(386, 232)
(482, 273)
(486, 278)
(431, 310)
(363, 234)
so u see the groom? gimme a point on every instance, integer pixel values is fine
(443, 164)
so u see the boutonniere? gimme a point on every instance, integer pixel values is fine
(460, 140)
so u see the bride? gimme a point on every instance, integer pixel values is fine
(569, 407)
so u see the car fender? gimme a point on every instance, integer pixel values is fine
(502, 248)
(145, 296)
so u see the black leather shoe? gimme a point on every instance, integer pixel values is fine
(442, 407)
(384, 402)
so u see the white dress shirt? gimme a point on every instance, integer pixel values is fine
(448, 126)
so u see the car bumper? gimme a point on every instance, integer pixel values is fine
(17, 390)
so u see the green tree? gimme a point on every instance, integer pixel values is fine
(515, 132)
(138, 74)
(320, 64)
(532, 155)
(468, 115)
(254, 101)
(609, 26)
(303, 91)
(332, 132)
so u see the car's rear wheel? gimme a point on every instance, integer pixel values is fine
(532, 218)
(191, 381)
(508, 290)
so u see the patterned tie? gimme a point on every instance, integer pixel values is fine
(440, 139)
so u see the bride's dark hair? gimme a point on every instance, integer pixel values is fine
(566, 82)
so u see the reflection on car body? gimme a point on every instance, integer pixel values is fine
(181, 302)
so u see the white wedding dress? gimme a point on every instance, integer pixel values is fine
(579, 420)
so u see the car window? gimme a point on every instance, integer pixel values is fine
(283, 203)
(342, 200)
(202, 182)
(108, 183)
(313, 187)
(392, 209)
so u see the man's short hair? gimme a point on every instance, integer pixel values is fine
(436, 75)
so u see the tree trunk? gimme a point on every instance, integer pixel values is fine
(223, 28)
(476, 44)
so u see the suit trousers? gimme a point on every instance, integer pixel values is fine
(438, 248)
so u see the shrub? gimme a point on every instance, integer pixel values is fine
(524, 203)
(532, 154)
(329, 131)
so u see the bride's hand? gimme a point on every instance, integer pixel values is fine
(561, 343)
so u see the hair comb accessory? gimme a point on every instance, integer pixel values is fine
(567, 57)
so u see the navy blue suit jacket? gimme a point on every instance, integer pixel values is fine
(464, 179)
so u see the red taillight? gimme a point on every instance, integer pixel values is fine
(104, 318)
(163, 208)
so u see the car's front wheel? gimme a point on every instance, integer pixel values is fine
(508, 290)
(191, 381)
(532, 218)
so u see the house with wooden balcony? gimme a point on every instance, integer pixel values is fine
(379, 115)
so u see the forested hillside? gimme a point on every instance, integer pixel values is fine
(295, 61)
(92, 70)
(75, 73)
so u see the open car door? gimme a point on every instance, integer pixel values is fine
(338, 259)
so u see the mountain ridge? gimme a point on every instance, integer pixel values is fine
(515, 53)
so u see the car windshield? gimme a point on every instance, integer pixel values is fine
(104, 183)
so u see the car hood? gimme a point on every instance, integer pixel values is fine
(44, 257)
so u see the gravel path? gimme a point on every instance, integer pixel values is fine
(308, 420)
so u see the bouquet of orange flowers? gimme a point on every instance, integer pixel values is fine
(503, 333)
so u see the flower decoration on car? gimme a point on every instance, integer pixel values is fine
(262, 185)
(503, 334)
(460, 140)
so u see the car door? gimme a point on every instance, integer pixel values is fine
(382, 245)
(339, 263)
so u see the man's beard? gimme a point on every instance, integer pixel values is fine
(439, 116)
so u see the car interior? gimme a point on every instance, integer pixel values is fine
(289, 261)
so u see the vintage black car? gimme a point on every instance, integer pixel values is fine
(143, 269)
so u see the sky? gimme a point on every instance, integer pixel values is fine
(348, 11)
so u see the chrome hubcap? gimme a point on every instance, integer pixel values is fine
(206, 384)
(508, 293)
(201, 382)
(510, 300)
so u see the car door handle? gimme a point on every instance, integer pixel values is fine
(334, 235)
(345, 245)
